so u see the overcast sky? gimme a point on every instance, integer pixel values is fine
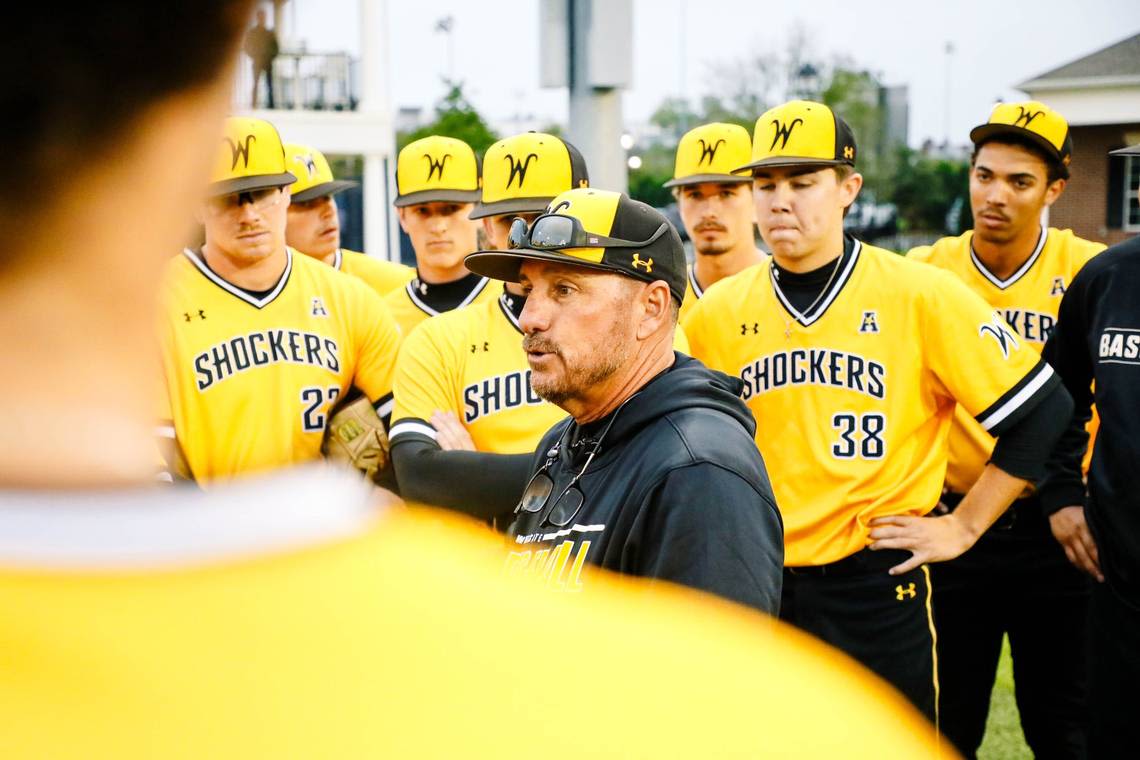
(677, 43)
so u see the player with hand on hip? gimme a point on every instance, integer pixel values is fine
(851, 360)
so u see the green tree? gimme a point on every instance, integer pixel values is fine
(454, 117)
(924, 189)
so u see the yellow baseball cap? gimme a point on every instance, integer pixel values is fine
(314, 175)
(436, 168)
(522, 174)
(1032, 120)
(712, 153)
(250, 157)
(801, 133)
(595, 229)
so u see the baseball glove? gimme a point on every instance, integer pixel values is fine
(356, 436)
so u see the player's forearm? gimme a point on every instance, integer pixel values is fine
(991, 495)
(475, 483)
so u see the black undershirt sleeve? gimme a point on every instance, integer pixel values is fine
(476, 483)
(1022, 450)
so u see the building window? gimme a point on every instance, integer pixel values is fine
(1131, 185)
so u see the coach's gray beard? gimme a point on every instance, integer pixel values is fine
(609, 355)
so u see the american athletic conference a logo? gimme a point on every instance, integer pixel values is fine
(783, 132)
(435, 167)
(708, 152)
(240, 149)
(518, 168)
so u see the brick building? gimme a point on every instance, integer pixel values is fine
(1099, 95)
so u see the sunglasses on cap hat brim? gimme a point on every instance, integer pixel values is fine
(557, 231)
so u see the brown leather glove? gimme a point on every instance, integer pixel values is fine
(356, 436)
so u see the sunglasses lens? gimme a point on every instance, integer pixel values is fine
(516, 238)
(566, 508)
(552, 232)
(536, 493)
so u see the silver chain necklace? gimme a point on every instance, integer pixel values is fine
(800, 315)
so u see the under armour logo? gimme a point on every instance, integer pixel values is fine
(1025, 116)
(319, 308)
(309, 162)
(187, 316)
(708, 152)
(240, 149)
(637, 262)
(870, 323)
(755, 329)
(1001, 332)
(518, 168)
(849, 152)
(486, 347)
(905, 592)
(436, 167)
(783, 132)
(1058, 287)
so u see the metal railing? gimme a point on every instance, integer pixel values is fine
(301, 81)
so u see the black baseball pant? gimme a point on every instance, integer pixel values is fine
(1014, 581)
(883, 621)
(1114, 675)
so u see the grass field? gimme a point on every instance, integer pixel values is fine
(1004, 740)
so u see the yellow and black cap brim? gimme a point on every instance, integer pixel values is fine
(1131, 150)
(246, 184)
(323, 189)
(781, 161)
(437, 196)
(505, 265)
(511, 206)
(982, 133)
(701, 179)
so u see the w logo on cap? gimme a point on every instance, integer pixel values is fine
(309, 162)
(436, 167)
(240, 149)
(783, 132)
(1025, 117)
(708, 152)
(518, 168)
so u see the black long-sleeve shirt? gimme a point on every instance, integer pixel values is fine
(1097, 339)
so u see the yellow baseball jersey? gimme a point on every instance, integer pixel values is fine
(382, 276)
(409, 309)
(1028, 299)
(470, 362)
(853, 401)
(290, 618)
(250, 378)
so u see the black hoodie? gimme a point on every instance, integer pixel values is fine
(676, 491)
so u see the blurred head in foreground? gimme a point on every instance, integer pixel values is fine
(108, 133)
